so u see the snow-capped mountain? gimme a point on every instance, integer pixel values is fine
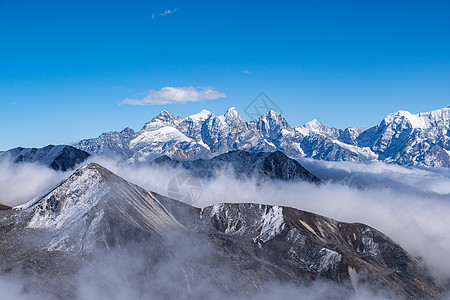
(401, 138)
(251, 245)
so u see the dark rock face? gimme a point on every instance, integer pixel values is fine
(232, 249)
(4, 207)
(60, 158)
(262, 165)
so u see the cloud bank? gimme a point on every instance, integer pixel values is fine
(169, 95)
(20, 183)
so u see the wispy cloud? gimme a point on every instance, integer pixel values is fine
(247, 72)
(164, 13)
(168, 95)
(168, 12)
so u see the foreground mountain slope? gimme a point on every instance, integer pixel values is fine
(234, 250)
(402, 138)
(59, 157)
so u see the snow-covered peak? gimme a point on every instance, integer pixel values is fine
(231, 112)
(201, 116)
(164, 119)
(400, 116)
(272, 114)
(313, 126)
(232, 116)
(273, 117)
(156, 137)
(422, 120)
(77, 195)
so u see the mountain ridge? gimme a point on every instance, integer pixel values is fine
(59, 157)
(259, 165)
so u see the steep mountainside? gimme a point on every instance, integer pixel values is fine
(59, 157)
(235, 250)
(401, 138)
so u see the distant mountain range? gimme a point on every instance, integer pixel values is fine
(401, 138)
(231, 250)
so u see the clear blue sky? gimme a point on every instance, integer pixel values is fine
(66, 65)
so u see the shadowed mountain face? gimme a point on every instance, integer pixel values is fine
(4, 207)
(60, 157)
(262, 165)
(173, 250)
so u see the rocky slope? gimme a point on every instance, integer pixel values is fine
(231, 250)
(59, 157)
(401, 138)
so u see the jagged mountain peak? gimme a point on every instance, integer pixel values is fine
(270, 125)
(271, 114)
(127, 131)
(273, 117)
(232, 110)
(232, 118)
(232, 113)
(314, 125)
(163, 119)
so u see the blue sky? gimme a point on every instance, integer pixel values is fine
(65, 66)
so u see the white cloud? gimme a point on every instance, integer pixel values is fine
(168, 95)
(164, 13)
(20, 183)
(247, 72)
(168, 12)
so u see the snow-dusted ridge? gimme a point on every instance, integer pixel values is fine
(78, 202)
(403, 138)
